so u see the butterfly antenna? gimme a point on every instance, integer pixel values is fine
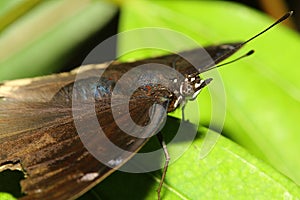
(209, 67)
(232, 61)
(287, 15)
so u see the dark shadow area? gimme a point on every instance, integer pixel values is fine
(75, 57)
(10, 182)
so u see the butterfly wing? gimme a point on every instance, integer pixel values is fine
(40, 137)
(38, 134)
(43, 88)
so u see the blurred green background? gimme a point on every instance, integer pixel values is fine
(257, 158)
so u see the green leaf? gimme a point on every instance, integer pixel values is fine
(37, 42)
(6, 196)
(12, 10)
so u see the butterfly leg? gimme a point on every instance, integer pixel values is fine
(182, 112)
(164, 146)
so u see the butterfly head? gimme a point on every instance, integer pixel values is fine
(189, 89)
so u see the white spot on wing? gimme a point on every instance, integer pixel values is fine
(38, 191)
(230, 47)
(115, 162)
(89, 176)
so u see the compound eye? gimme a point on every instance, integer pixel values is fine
(186, 90)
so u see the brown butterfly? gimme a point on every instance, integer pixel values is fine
(38, 132)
